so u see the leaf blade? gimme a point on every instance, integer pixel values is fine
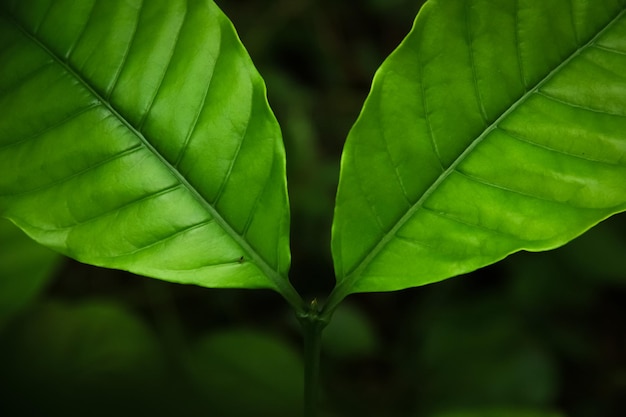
(404, 226)
(180, 171)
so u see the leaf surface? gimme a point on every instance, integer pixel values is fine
(137, 135)
(496, 126)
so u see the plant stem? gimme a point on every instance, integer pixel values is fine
(312, 326)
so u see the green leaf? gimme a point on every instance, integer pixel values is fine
(496, 126)
(25, 268)
(137, 135)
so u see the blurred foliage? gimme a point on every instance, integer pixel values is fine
(21, 258)
(224, 363)
(500, 413)
(349, 335)
(536, 335)
(87, 359)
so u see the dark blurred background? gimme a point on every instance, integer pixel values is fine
(540, 335)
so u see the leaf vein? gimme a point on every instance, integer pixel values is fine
(607, 49)
(383, 134)
(146, 111)
(77, 173)
(576, 105)
(488, 183)
(231, 165)
(470, 45)
(431, 134)
(196, 117)
(118, 209)
(79, 36)
(129, 44)
(414, 241)
(551, 149)
(165, 238)
(43, 18)
(49, 128)
(456, 219)
(17, 84)
(255, 204)
(573, 21)
(518, 46)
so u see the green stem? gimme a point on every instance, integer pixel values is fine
(312, 326)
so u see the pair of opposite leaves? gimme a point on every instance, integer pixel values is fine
(137, 135)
